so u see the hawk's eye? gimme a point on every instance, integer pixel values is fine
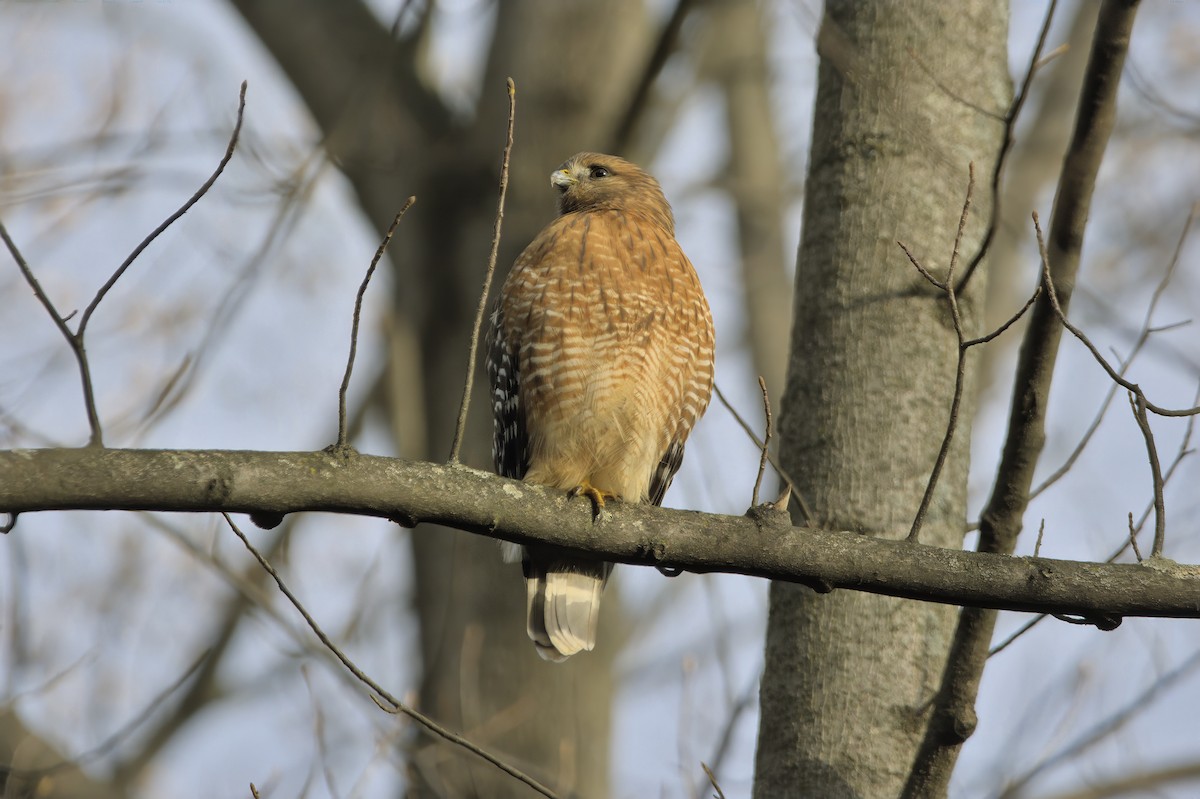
(599, 172)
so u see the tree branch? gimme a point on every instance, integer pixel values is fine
(762, 544)
(953, 717)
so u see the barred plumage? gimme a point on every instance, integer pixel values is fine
(601, 362)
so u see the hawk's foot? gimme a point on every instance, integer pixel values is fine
(596, 495)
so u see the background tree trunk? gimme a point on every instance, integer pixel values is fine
(481, 674)
(870, 376)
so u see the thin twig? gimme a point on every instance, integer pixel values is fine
(1036, 62)
(1087, 342)
(783, 475)
(358, 301)
(1012, 320)
(1037, 546)
(712, 779)
(170, 220)
(1137, 552)
(1109, 725)
(76, 339)
(1138, 404)
(460, 428)
(762, 461)
(396, 706)
(1126, 362)
(960, 374)
(120, 735)
(1183, 451)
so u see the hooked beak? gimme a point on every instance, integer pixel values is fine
(562, 179)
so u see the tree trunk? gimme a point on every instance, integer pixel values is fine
(871, 376)
(392, 138)
(481, 672)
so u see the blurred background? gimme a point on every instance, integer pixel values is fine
(144, 655)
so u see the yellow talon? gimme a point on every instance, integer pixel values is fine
(596, 495)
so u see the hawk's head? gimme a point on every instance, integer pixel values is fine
(597, 182)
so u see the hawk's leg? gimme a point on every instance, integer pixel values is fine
(596, 495)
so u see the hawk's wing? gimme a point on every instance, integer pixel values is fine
(664, 473)
(510, 443)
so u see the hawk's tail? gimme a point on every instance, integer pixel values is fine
(563, 605)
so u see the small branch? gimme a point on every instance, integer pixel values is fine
(1131, 541)
(1143, 337)
(358, 301)
(1036, 62)
(1109, 725)
(1012, 320)
(960, 373)
(76, 339)
(396, 705)
(952, 718)
(1137, 553)
(1114, 374)
(762, 461)
(460, 428)
(170, 220)
(809, 518)
(712, 779)
(1138, 404)
(8, 526)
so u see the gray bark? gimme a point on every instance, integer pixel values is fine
(762, 543)
(870, 376)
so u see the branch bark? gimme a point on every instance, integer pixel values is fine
(761, 544)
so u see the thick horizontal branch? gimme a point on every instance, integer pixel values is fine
(761, 544)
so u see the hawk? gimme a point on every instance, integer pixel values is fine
(601, 362)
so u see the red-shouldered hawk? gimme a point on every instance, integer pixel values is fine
(601, 362)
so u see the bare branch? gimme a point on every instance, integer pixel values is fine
(783, 475)
(1012, 320)
(953, 716)
(1143, 337)
(760, 545)
(460, 428)
(1135, 529)
(1137, 553)
(762, 461)
(960, 373)
(1036, 62)
(712, 779)
(76, 339)
(1140, 784)
(170, 220)
(73, 340)
(1113, 373)
(358, 301)
(1138, 404)
(1109, 725)
(396, 704)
